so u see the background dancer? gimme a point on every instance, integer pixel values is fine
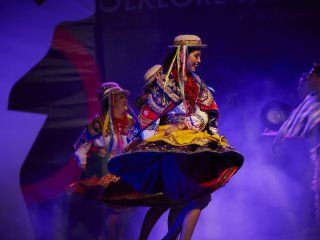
(103, 138)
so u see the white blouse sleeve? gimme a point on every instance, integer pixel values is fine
(81, 153)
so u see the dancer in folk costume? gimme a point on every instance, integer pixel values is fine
(304, 122)
(104, 138)
(186, 159)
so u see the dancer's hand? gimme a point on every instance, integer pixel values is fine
(170, 129)
(175, 127)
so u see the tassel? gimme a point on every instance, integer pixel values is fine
(182, 74)
(108, 125)
(171, 66)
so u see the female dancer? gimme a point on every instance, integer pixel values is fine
(103, 138)
(186, 159)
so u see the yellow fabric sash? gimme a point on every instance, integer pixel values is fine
(186, 137)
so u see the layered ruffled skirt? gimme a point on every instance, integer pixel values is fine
(167, 169)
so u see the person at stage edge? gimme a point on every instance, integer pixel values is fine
(103, 138)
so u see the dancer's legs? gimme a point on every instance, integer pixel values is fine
(152, 216)
(189, 224)
(177, 221)
(187, 218)
(110, 231)
(173, 214)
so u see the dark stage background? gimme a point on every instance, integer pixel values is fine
(55, 55)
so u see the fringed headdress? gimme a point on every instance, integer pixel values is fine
(181, 43)
(107, 91)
